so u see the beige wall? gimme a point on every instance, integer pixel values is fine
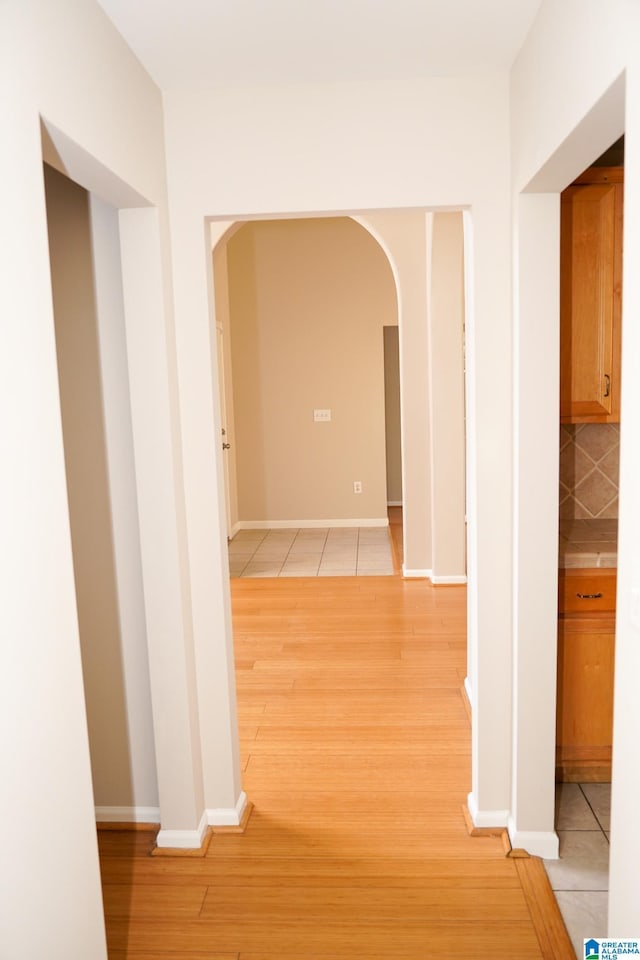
(403, 235)
(446, 323)
(392, 414)
(110, 613)
(309, 299)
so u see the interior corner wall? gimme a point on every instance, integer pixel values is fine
(142, 803)
(112, 715)
(308, 302)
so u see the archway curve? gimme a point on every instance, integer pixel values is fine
(223, 230)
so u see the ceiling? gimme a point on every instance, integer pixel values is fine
(193, 43)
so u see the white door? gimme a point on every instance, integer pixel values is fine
(225, 439)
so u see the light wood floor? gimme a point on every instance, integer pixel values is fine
(356, 754)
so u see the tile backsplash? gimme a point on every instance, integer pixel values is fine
(589, 458)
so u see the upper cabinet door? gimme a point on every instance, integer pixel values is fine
(590, 297)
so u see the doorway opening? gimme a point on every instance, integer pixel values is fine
(100, 475)
(590, 360)
(307, 402)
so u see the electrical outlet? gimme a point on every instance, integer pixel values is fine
(322, 416)
(357, 486)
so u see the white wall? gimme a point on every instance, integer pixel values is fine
(64, 62)
(142, 802)
(568, 104)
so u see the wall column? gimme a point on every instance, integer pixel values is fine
(624, 916)
(114, 379)
(535, 585)
(403, 237)
(489, 514)
(446, 379)
(165, 567)
(197, 373)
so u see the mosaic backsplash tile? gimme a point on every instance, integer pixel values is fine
(589, 459)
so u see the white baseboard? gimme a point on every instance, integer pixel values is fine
(309, 524)
(450, 580)
(538, 843)
(409, 573)
(486, 818)
(234, 529)
(184, 839)
(467, 690)
(228, 816)
(394, 503)
(127, 814)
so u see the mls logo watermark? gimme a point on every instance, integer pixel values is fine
(595, 949)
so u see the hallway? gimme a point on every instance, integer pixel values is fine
(356, 750)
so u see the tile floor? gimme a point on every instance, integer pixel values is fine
(312, 552)
(580, 878)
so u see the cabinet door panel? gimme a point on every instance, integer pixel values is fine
(587, 271)
(585, 682)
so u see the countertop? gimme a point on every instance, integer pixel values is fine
(588, 543)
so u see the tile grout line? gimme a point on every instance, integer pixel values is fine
(362, 555)
(597, 818)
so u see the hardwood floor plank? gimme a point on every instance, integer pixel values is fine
(355, 741)
(398, 938)
(174, 901)
(340, 902)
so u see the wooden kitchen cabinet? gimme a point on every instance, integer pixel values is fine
(590, 296)
(586, 647)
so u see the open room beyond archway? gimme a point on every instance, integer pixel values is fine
(300, 309)
(308, 303)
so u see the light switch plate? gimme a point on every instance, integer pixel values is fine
(322, 416)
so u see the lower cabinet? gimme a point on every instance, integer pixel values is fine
(586, 647)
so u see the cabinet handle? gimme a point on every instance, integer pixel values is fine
(607, 384)
(589, 596)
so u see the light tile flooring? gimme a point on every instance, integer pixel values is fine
(580, 878)
(312, 552)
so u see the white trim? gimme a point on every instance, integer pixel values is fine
(539, 843)
(127, 814)
(486, 818)
(234, 529)
(448, 580)
(418, 574)
(184, 839)
(228, 816)
(467, 690)
(301, 524)
(394, 503)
